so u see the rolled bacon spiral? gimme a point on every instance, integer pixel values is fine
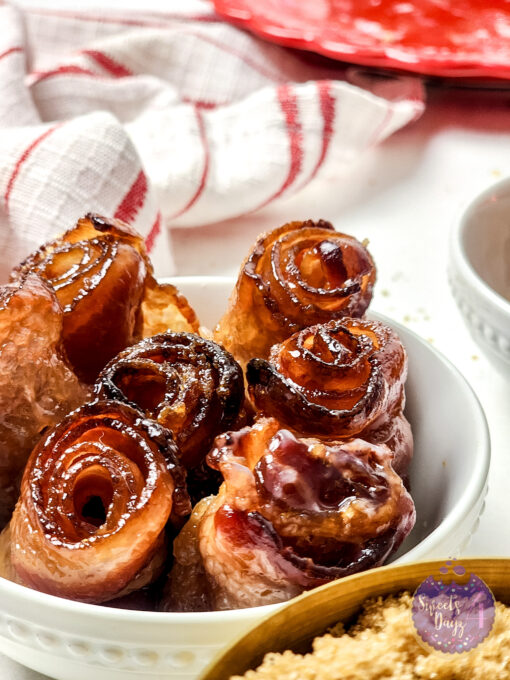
(188, 384)
(96, 495)
(37, 386)
(338, 380)
(103, 280)
(298, 275)
(293, 514)
(98, 274)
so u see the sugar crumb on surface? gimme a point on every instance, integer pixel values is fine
(382, 644)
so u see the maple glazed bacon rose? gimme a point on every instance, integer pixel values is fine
(98, 275)
(96, 496)
(295, 276)
(188, 384)
(292, 514)
(37, 386)
(338, 380)
(103, 280)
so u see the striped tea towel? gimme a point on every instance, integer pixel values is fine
(168, 118)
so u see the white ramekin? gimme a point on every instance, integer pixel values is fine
(479, 272)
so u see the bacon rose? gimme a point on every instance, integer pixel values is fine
(103, 280)
(96, 496)
(190, 385)
(297, 275)
(338, 380)
(37, 386)
(291, 514)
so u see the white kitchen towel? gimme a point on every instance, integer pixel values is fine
(168, 118)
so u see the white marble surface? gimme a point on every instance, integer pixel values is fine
(404, 197)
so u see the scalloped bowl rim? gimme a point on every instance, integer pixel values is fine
(471, 494)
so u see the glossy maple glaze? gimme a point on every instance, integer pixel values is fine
(293, 514)
(188, 384)
(37, 385)
(462, 38)
(295, 276)
(96, 495)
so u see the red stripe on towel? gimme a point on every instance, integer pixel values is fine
(289, 105)
(153, 233)
(388, 117)
(133, 200)
(328, 111)
(12, 50)
(22, 159)
(70, 69)
(110, 65)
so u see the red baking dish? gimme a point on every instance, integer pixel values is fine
(447, 38)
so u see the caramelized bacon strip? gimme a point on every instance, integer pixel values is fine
(165, 308)
(338, 380)
(187, 588)
(293, 514)
(103, 280)
(300, 274)
(96, 496)
(37, 386)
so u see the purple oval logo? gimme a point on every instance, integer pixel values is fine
(450, 616)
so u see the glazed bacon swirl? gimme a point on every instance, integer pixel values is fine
(96, 496)
(37, 386)
(294, 513)
(103, 280)
(338, 380)
(188, 384)
(98, 275)
(301, 274)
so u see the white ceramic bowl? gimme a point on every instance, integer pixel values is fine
(479, 271)
(74, 641)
